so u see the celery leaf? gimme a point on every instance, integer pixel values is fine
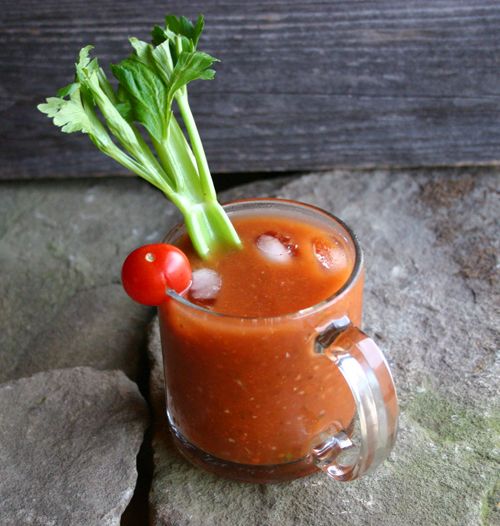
(147, 94)
(180, 25)
(69, 115)
(189, 67)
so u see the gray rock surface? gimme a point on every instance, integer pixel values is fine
(62, 244)
(68, 445)
(431, 245)
(98, 327)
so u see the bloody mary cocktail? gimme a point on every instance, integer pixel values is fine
(243, 381)
(264, 364)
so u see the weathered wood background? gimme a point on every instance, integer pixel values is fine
(302, 84)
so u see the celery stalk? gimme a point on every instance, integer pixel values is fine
(149, 81)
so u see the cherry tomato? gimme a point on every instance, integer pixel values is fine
(150, 270)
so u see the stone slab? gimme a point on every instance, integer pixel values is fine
(62, 244)
(431, 243)
(68, 445)
(98, 327)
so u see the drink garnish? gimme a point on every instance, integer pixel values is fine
(151, 270)
(150, 80)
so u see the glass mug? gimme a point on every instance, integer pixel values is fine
(276, 398)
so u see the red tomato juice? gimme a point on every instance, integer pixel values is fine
(243, 381)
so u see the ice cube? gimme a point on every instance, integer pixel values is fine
(277, 247)
(330, 253)
(206, 284)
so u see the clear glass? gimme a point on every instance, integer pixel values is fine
(275, 398)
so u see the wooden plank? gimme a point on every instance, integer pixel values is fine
(302, 85)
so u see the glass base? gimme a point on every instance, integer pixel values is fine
(260, 474)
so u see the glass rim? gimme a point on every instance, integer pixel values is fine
(356, 270)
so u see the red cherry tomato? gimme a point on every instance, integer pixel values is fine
(150, 270)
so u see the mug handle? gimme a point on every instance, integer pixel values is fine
(365, 370)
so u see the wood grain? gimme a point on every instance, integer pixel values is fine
(302, 85)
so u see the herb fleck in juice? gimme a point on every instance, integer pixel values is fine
(243, 381)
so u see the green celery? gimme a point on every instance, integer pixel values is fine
(149, 81)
